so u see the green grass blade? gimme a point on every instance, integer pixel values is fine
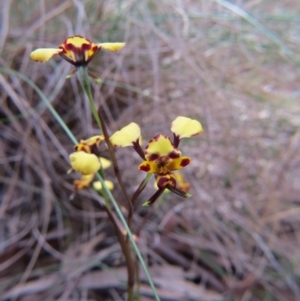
(269, 34)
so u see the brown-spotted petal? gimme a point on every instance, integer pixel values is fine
(160, 146)
(78, 50)
(178, 163)
(149, 167)
(163, 180)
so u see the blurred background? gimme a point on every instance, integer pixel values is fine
(232, 65)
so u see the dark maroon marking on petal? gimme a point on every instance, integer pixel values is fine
(86, 47)
(78, 52)
(153, 157)
(93, 55)
(66, 58)
(156, 137)
(162, 181)
(145, 167)
(150, 141)
(69, 46)
(174, 154)
(185, 162)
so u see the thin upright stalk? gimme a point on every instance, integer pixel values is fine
(125, 246)
(124, 243)
(85, 82)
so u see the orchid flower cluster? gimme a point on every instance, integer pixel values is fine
(161, 156)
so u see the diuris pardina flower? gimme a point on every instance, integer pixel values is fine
(76, 50)
(85, 161)
(161, 156)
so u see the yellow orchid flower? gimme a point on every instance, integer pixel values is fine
(76, 50)
(161, 159)
(180, 182)
(161, 156)
(85, 163)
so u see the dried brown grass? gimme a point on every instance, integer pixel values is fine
(237, 238)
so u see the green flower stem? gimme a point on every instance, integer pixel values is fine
(85, 82)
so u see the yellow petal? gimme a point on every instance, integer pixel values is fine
(184, 127)
(104, 162)
(180, 183)
(85, 163)
(178, 163)
(98, 185)
(93, 140)
(149, 167)
(84, 182)
(126, 136)
(77, 41)
(160, 146)
(44, 54)
(113, 47)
